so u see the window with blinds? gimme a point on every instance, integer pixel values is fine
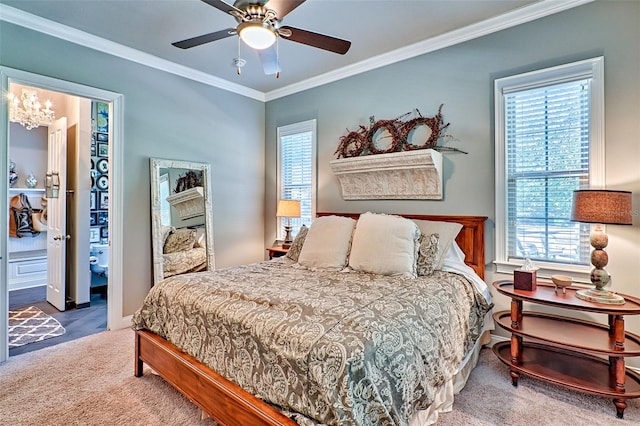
(549, 142)
(296, 171)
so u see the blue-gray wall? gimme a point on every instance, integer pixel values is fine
(461, 77)
(165, 116)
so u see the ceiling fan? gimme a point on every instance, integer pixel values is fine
(259, 27)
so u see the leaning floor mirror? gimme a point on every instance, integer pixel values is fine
(181, 217)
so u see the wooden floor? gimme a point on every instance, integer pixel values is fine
(77, 322)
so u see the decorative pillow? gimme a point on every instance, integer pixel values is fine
(427, 254)
(447, 232)
(180, 240)
(384, 244)
(327, 243)
(296, 245)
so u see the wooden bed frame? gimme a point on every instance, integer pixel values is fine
(226, 402)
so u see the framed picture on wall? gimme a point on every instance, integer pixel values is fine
(103, 150)
(104, 232)
(102, 117)
(103, 218)
(103, 137)
(92, 198)
(94, 148)
(104, 200)
(93, 219)
(94, 234)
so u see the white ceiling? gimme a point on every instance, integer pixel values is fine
(381, 32)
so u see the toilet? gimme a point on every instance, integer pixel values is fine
(99, 258)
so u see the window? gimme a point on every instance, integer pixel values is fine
(165, 208)
(549, 142)
(297, 171)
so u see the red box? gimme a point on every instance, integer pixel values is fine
(524, 280)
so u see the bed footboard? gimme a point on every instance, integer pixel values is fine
(219, 398)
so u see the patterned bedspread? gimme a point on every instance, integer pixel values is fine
(336, 347)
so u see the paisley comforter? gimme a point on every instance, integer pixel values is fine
(328, 347)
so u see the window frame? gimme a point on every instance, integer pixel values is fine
(592, 69)
(292, 129)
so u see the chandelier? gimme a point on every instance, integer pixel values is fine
(28, 111)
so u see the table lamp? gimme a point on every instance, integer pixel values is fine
(599, 206)
(288, 209)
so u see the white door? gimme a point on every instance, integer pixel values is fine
(57, 208)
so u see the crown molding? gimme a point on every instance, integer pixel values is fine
(470, 32)
(488, 26)
(64, 32)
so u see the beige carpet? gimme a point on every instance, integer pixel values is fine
(90, 381)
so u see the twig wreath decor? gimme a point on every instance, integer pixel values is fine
(364, 141)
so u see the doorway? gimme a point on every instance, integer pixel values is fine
(114, 238)
(57, 280)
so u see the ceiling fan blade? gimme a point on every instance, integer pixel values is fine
(205, 38)
(225, 7)
(320, 41)
(269, 60)
(283, 7)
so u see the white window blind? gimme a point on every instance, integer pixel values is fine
(549, 142)
(296, 174)
(547, 138)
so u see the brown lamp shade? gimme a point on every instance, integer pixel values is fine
(288, 208)
(602, 206)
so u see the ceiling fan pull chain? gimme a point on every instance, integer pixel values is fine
(239, 62)
(278, 57)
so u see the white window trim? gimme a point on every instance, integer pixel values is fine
(291, 129)
(590, 68)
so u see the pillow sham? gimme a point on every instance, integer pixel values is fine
(180, 240)
(384, 244)
(447, 233)
(296, 246)
(427, 254)
(327, 243)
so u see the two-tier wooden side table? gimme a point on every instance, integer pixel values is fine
(577, 354)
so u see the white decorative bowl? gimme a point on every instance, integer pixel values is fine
(561, 282)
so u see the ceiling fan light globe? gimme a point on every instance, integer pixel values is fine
(256, 35)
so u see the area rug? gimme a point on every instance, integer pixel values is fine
(30, 324)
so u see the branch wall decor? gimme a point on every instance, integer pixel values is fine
(362, 142)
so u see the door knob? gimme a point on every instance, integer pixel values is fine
(62, 237)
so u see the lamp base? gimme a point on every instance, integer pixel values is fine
(600, 296)
(287, 238)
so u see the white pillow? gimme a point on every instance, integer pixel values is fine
(201, 240)
(327, 243)
(447, 233)
(384, 244)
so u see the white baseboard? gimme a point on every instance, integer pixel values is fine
(24, 285)
(123, 322)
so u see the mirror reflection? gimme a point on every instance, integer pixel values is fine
(181, 213)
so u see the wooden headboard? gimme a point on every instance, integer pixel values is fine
(470, 239)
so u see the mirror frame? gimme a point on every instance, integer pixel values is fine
(155, 164)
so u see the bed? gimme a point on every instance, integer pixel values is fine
(321, 345)
(183, 250)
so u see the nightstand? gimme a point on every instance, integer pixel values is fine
(276, 251)
(581, 355)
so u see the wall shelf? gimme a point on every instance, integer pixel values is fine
(407, 175)
(189, 203)
(28, 191)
